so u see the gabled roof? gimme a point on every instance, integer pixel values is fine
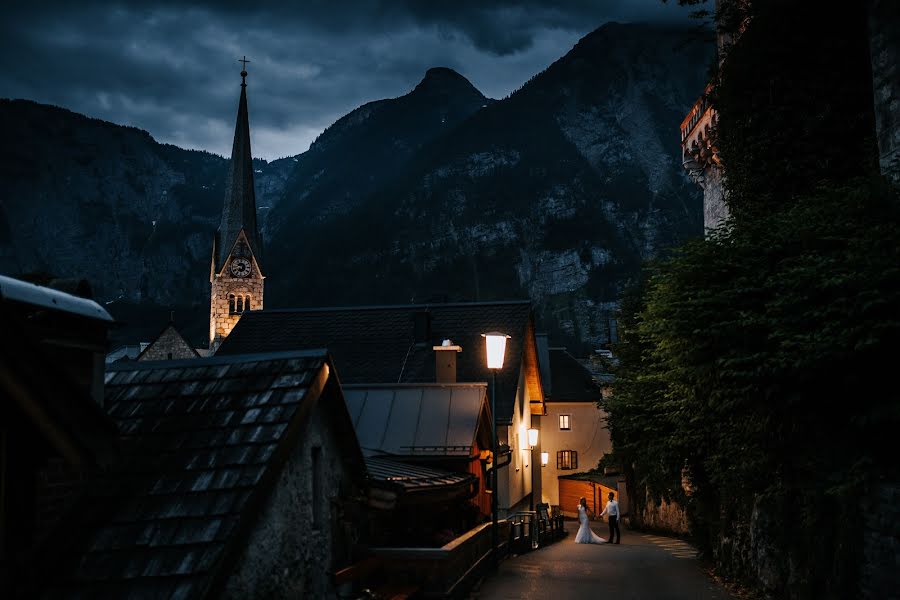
(239, 210)
(206, 440)
(169, 335)
(393, 344)
(420, 420)
(570, 381)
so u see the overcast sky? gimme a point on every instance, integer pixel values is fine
(171, 68)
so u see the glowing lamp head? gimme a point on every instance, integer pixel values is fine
(545, 458)
(532, 437)
(495, 345)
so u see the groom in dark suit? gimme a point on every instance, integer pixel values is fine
(612, 511)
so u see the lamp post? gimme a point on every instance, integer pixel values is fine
(495, 349)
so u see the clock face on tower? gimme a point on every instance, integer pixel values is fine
(240, 267)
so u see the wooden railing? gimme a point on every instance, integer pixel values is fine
(440, 572)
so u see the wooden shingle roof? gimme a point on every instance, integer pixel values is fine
(205, 442)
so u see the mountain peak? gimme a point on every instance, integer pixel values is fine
(444, 80)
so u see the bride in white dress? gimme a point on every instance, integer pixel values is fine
(585, 535)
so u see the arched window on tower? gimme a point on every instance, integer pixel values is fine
(240, 305)
(247, 302)
(231, 304)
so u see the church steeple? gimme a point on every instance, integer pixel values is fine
(239, 211)
(235, 275)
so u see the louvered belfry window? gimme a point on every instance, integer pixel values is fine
(566, 460)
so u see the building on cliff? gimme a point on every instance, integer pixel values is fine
(699, 150)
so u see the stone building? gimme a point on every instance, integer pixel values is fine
(699, 147)
(240, 477)
(168, 345)
(235, 273)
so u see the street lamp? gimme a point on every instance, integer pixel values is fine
(545, 458)
(532, 438)
(495, 349)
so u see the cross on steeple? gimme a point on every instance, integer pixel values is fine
(243, 62)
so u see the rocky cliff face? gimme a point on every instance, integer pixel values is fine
(556, 193)
(89, 199)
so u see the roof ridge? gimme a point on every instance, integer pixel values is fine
(390, 306)
(226, 359)
(428, 384)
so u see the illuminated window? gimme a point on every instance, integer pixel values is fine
(564, 423)
(566, 460)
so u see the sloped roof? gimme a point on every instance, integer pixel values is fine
(172, 336)
(239, 210)
(206, 440)
(389, 344)
(430, 420)
(37, 295)
(570, 381)
(415, 478)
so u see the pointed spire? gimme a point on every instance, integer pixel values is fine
(239, 211)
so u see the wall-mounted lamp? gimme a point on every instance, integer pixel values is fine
(545, 458)
(532, 437)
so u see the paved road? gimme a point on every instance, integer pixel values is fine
(641, 567)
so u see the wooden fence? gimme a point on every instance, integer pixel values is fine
(572, 490)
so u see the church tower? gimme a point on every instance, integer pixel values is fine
(235, 273)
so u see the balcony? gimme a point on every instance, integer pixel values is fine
(698, 138)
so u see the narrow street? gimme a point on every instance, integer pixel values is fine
(641, 567)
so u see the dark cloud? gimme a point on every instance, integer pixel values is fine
(170, 67)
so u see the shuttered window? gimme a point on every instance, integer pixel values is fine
(566, 460)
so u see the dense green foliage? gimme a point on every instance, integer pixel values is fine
(758, 362)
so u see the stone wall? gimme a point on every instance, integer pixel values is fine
(222, 319)
(662, 516)
(168, 346)
(715, 211)
(288, 554)
(884, 38)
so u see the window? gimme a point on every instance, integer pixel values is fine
(240, 305)
(316, 457)
(247, 302)
(564, 423)
(231, 306)
(566, 460)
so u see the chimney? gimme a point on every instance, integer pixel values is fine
(445, 362)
